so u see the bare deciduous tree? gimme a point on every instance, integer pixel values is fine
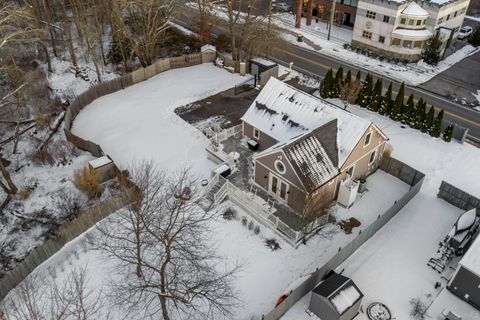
(164, 253)
(49, 298)
(418, 308)
(206, 19)
(349, 92)
(143, 24)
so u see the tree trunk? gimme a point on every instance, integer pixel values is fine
(46, 6)
(68, 31)
(6, 175)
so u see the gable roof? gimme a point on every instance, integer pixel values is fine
(413, 9)
(340, 291)
(283, 112)
(314, 156)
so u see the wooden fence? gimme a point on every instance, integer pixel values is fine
(392, 166)
(107, 87)
(457, 197)
(67, 232)
(73, 229)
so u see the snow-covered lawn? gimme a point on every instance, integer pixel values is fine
(139, 123)
(411, 73)
(266, 273)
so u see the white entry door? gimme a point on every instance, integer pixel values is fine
(278, 187)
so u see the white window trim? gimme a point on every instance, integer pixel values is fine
(280, 180)
(374, 152)
(283, 164)
(256, 136)
(369, 140)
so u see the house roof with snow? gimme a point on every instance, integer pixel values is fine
(340, 291)
(422, 33)
(471, 259)
(314, 157)
(283, 112)
(413, 9)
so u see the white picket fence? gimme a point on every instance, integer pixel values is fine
(217, 134)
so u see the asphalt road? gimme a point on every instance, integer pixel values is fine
(317, 64)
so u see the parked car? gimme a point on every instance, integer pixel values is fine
(464, 32)
(282, 6)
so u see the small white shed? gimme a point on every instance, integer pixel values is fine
(105, 166)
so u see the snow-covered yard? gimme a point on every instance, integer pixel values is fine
(266, 273)
(411, 73)
(139, 123)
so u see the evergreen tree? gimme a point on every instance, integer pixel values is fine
(366, 92)
(396, 113)
(358, 77)
(408, 110)
(422, 114)
(428, 121)
(386, 105)
(431, 52)
(326, 86)
(348, 78)
(474, 38)
(376, 100)
(337, 83)
(437, 126)
(448, 133)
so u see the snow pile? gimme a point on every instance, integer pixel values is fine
(345, 299)
(139, 122)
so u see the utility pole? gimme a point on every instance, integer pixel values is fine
(298, 19)
(332, 14)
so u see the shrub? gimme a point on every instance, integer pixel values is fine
(250, 225)
(42, 156)
(244, 221)
(272, 244)
(229, 214)
(26, 191)
(256, 230)
(388, 150)
(89, 182)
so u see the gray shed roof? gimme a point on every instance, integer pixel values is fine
(340, 291)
